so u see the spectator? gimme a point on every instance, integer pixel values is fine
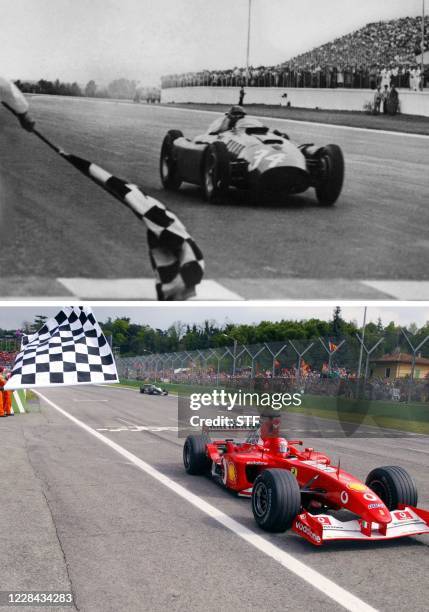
(385, 98)
(377, 100)
(241, 97)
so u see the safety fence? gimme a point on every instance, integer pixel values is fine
(319, 367)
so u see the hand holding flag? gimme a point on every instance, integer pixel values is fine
(14, 101)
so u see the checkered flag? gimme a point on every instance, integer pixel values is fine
(176, 259)
(69, 349)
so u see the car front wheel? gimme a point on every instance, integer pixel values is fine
(330, 175)
(170, 177)
(276, 499)
(393, 485)
(216, 173)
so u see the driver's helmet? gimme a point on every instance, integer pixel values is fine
(236, 112)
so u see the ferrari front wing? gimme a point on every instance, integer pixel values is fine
(406, 521)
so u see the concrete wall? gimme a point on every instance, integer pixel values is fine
(412, 102)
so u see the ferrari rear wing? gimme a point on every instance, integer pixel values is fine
(406, 521)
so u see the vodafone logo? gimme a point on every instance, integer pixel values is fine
(344, 497)
(305, 529)
(370, 496)
(324, 520)
(402, 515)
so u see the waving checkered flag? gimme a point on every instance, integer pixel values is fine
(69, 349)
(176, 259)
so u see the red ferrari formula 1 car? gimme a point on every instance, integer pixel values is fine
(293, 487)
(239, 151)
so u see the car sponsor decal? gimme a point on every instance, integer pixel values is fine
(373, 506)
(294, 471)
(402, 515)
(232, 472)
(356, 486)
(344, 497)
(307, 531)
(370, 496)
(324, 520)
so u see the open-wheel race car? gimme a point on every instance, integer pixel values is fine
(239, 151)
(300, 488)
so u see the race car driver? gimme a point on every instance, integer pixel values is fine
(229, 121)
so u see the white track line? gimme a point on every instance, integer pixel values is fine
(327, 587)
(330, 125)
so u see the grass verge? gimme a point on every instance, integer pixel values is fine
(412, 417)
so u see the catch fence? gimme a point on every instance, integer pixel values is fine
(319, 366)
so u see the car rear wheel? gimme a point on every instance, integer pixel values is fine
(393, 485)
(195, 457)
(331, 175)
(170, 177)
(276, 500)
(216, 174)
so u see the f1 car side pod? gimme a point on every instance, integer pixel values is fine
(406, 521)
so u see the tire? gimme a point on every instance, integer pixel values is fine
(276, 500)
(332, 178)
(170, 177)
(195, 458)
(393, 485)
(141, 390)
(215, 172)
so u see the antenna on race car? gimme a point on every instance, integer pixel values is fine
(338, 468)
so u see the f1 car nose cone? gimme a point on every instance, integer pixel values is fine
(380, 515)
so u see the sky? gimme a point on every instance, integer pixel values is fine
(79, 40)
(163, 316)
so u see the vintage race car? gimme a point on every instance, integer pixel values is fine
(153, 390)
(300, 488)
(239, 151)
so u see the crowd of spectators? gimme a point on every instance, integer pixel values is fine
(378, 54)
(330, 380)
(7, 358)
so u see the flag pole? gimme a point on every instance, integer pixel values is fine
(422, 63)
(361, 346)
(249, 19)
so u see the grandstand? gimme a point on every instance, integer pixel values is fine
(379, 53)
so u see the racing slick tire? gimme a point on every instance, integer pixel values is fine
(215, 172)
(331, 179)
(276, 499)
(393, 485)
(170, 177)
(195, 457)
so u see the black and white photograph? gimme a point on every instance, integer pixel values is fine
(269, 149)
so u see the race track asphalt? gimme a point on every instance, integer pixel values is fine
(59, 225)
(122, 540)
